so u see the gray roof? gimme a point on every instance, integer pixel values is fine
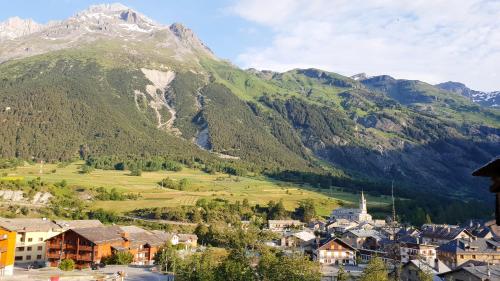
(101, 234)
(140, 236)
(29, 225)
(70, 224)
(443, 232)
(484, 272)
(366, 233)
(477, 245)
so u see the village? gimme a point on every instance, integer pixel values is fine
(342, 245)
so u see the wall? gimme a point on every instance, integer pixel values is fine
(7, 248)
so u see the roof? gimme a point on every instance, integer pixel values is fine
(443, 232)
(304, 236)
(338, 241)
(29, 225)
(186, 237)
(484, 272)
(489, 170)
(164, 236)
(477, 245)
(284, 221)
(439, 267)
(101, 234)
(366, 233)
(70, 224)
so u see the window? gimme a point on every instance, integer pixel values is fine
(29, 248)
(39, 257)
(461, 256)
(28, 258)
(21, 239)
(19, 258)
(40, 239)
(39, 248)
(473, 257)
(20, 249)
(30, 239)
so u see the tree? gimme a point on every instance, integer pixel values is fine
(86, 169)
(278, 267)
(425, 274)
(167, 258)
(236, 267)
(200, 267)
(67, 265)
(306, 210)
(276, 210)
(428, 219)
(342, 275)
(375, 271)
(136, 172)
(120, 257)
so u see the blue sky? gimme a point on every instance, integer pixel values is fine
(429, 40)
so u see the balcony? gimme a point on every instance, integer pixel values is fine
(85, 248)
(84, 258)
(54, 245)
(54, 255)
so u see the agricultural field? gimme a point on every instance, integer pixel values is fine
(258, 190)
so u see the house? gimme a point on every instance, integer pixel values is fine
(171, 238)
(189, 240)
(411, 270)
(363, 239)
(340, 226)
(143, 244)
(473, 273)
(335, 251)
(459, 251)
(365, 255)
(7, 251)
(302, 239)
(30, 237)
(92, 245)
(317, 225)
(412, 248)
(281, 225)
(357, 214)
(439, 234)
(86, 246)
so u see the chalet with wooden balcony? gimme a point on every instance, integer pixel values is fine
(92, 245)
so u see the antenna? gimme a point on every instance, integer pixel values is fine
(393, 203)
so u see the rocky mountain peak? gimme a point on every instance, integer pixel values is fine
(360, 76)
(187, 36)
(16, 27)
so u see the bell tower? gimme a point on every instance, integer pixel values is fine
(362, 203)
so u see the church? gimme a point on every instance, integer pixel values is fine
(359, 215)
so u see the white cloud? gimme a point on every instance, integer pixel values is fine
(430, 40)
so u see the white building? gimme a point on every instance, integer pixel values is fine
(359, 215)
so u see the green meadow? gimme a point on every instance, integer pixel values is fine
(258, 189)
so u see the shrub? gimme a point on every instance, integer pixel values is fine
(122, 258)
(67, 265)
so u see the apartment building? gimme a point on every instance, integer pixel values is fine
(30, 237)
(7, 250)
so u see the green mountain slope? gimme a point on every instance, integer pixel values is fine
(159, 91)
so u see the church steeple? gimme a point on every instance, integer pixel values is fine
(362, 203)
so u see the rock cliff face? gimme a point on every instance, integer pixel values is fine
(17, 27)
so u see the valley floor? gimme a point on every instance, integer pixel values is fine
(258, 190)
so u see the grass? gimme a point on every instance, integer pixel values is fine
(258, 190)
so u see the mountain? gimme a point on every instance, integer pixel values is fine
(482, 98)
(111, 82)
